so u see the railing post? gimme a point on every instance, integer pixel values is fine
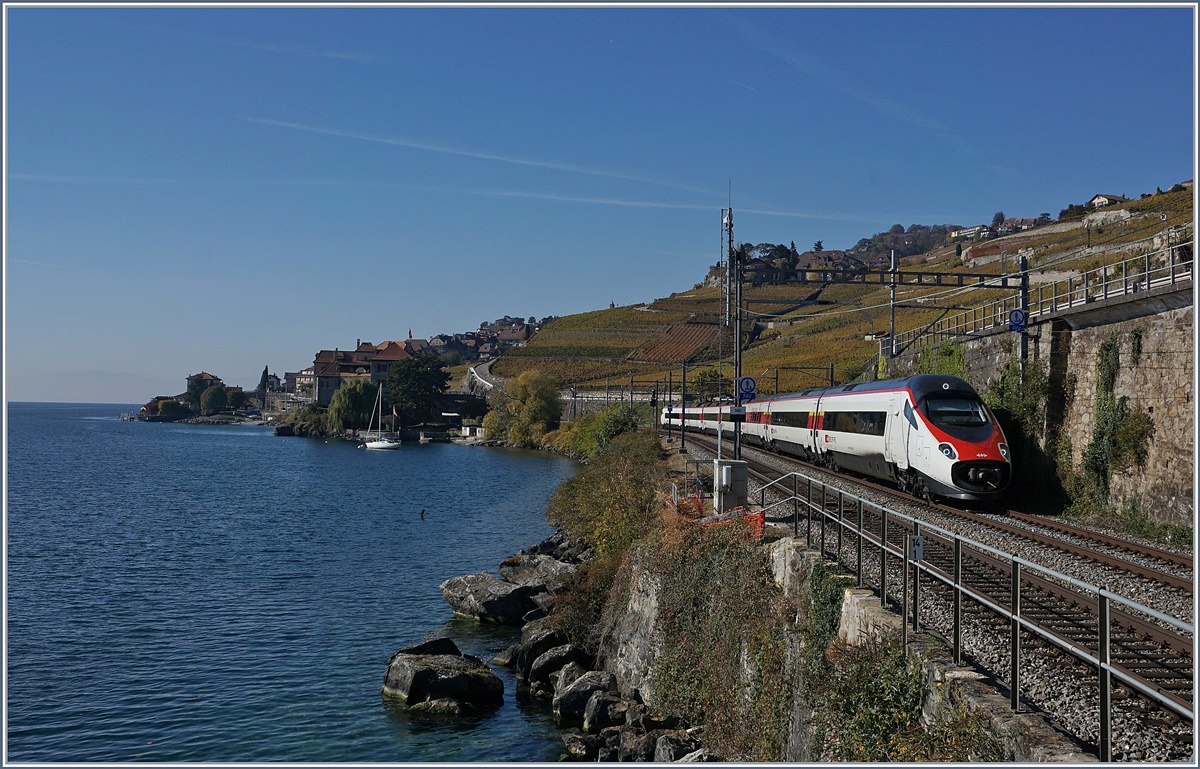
(808, 515)
(795, 505)
(883, 558)
(839, 527)
(957, 600)
(1102, 620)
(1014, 695)
(904, 599)
(916, 594)
(824, 515)
(858, 563)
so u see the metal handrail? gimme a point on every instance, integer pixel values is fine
(1105, 670)
(1132, 275)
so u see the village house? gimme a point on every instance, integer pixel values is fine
(299, 382)
(203, 381)
(385, 355)
(981, 231)
(1015, 224)
(514, 334)
(1099, 201)
(417, 347)
(332, 368)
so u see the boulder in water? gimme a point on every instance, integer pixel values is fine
(435, 677)
(486, 597)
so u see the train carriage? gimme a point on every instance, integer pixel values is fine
(929, 434)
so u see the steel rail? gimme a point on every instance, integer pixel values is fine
(1106, 559)
(1178, 559)
(1050, 583)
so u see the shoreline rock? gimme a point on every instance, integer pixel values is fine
(597, 723)
(436, 677)
(484, 596)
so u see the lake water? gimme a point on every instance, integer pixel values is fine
(193, 593)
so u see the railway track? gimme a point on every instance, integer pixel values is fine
(1048, 613)
(766, 475)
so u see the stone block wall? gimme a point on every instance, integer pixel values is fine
(1160, 382)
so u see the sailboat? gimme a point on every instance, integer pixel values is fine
(379, 442)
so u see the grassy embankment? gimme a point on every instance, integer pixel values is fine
(726, 633)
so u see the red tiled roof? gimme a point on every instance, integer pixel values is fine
(391, 351)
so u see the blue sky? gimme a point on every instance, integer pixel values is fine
(225, 188)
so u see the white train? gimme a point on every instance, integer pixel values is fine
(929, 434)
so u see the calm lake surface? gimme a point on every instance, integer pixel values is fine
(193, 593)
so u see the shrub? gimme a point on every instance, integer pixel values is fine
(946, 358)
(722, 628)
(307, 422)
(352, 404)
(527, 409)
(173, 409)
(609, 504)
(213, 400)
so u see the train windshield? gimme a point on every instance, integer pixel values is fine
(956, 411)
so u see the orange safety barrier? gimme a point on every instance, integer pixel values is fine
(757, 521)
(692, 506)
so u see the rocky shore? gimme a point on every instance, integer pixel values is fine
(598, 723)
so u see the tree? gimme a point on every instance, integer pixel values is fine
(262, 381)
(709, 384)
(415, 386)
(172, 409)
(1072, 212)
(351, 405)
(897, 229)
(997, 219)
(213, 400)
(819, 246)
(529, 408)
(237, 398)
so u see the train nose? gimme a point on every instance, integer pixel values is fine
(983, 474)
(980, 476)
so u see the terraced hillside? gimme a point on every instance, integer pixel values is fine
(793, 332)
(676, 343)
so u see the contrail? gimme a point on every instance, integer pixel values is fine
(397, 141)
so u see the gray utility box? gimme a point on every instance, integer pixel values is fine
(729, 484)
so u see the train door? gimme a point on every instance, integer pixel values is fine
(918, 439)
(910, 438)
(893, 435)
(814, 434)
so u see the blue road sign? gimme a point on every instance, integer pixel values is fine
(746, 388)
(1017, 320)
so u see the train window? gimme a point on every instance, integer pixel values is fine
(860, 422)
(790, 418)
(965, 412)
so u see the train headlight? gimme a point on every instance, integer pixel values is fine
(947, 451)
(1004, 450)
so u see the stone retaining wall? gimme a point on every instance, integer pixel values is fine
(1160, 382)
